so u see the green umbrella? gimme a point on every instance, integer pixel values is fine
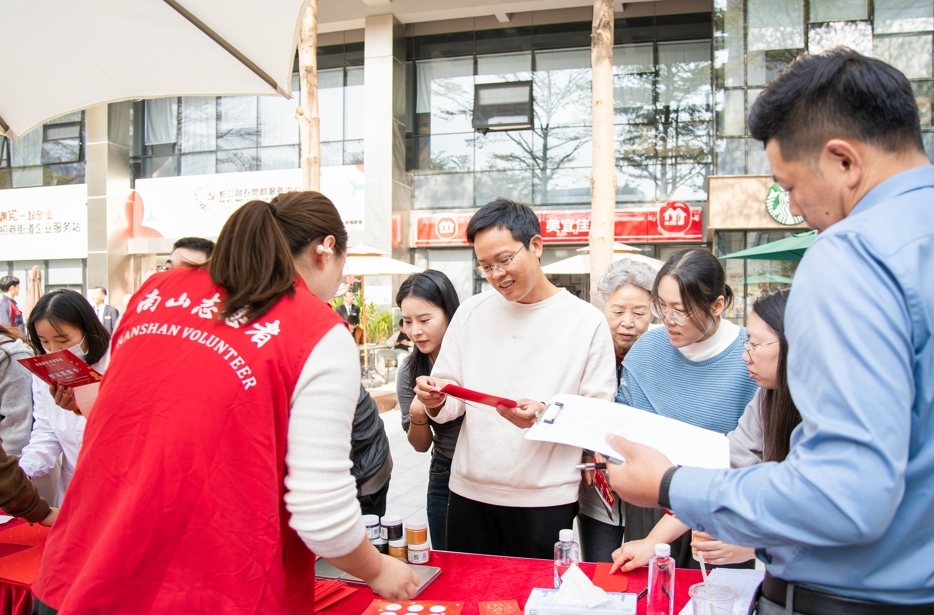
(767, 278)
(788, 249)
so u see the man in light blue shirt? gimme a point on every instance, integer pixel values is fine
(846, 522)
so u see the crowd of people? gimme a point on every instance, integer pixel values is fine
(232, 440)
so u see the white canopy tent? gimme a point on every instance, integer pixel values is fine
(140, 49)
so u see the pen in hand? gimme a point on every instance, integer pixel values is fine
(591, 466)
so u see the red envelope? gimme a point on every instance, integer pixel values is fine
(480, 398)
(499, 607)
(602, 578)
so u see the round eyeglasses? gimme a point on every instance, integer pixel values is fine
(676, 316)
(750, 347)
(501, 265)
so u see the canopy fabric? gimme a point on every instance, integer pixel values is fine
(580, 264)
(767, 278)
(73, 55)
(364, 260)
(788, 249)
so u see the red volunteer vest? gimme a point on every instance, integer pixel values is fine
(177, 501)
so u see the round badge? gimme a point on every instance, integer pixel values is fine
(778, 206)
(415, 608)
(438, 609)
(393, 607)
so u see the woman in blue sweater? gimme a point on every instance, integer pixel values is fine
(692, 369)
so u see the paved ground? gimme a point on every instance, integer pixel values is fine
(409, 484)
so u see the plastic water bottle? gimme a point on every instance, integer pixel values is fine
(567, 554)
(661, 597)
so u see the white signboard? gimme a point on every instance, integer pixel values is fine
(199, 205)
(44, 223)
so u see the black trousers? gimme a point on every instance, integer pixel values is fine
(375, 503)
(475, 527)
(38, 608)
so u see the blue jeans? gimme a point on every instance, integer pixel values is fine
(439, 474)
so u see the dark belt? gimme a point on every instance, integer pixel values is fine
(813, 602)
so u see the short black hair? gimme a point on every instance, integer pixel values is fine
(7, 282)
(100, 288)
(517, 218)
(70, 307)
(195, 243)
(835, 94)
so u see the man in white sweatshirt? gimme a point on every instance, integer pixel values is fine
(525, 340)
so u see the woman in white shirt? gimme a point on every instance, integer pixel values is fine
(61, 319)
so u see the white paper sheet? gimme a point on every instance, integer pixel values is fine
(584, 422)
(744, 582)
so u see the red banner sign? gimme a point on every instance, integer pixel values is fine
(673, 221)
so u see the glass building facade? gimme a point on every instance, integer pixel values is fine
(663, 104)
(202, 135)
(683, 87)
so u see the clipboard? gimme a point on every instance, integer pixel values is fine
(481, 398)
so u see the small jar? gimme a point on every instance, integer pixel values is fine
(372, 526)
(419, 554)
(381, 545)
(416, 532)
(391, 527)
(397, 549)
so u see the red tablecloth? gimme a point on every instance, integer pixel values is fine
(20, 551)
(481, 578)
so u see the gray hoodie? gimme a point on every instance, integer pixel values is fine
(15, 396)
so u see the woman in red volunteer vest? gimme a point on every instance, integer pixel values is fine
(217, 455)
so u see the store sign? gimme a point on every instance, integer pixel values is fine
(777, 203)
(673, 221)
(199, 205)
(44, 223)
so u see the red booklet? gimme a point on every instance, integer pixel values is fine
(61, 368)
(480, 398)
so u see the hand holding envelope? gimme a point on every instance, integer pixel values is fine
(428, 391)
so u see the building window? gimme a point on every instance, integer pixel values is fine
(202, 135)
(663, 113)
(50, 155)
(502, 106)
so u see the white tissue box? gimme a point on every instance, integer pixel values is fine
(541, 602)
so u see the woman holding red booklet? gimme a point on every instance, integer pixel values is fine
(62, 319)
(217, 458)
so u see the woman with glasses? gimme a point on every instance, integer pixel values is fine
(428, 302)
(763, 433)
(692, 369)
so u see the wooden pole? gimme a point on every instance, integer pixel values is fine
(603, 173)
(307, 114)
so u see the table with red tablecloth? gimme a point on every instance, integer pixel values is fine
(464, 577)
(472, 579)
(21, 547)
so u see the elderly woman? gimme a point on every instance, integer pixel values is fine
(625, 291)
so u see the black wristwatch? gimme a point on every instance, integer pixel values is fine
(663, 501)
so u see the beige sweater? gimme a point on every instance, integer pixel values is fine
(559, 345)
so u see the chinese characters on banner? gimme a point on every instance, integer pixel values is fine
(44, 223)
(672, 221)
(200, 204)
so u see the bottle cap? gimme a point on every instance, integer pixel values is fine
(370, 520)
(663, 550)
(566, 535)
(421, 547)
(418, 524)
(399, 543)
(389, 520)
